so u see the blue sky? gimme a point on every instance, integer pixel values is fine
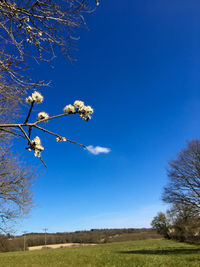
(138, 66)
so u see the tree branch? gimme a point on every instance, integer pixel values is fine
(29, 113)
(12, 133)
(71, 141)
(25, 134)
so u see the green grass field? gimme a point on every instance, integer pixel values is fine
(157, 252)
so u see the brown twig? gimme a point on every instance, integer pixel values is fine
(29, 113)
(25, 134)
(34, 123)
(71, 141)
(12, 132)
(43, 162)
(53, 117)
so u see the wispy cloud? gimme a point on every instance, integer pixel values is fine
(98, 149)
(134, 218)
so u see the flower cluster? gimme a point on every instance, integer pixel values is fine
(36, 97)
(43, 116)
(78, 104)
(36, 146)
(69, 109)
(79, 107)
(60, 138)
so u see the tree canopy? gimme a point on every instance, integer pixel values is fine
(184, 178)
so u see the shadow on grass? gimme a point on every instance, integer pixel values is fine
(168, 251)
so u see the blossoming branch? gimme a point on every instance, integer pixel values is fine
(26, 128)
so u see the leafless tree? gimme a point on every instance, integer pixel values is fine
(15, 183)
(41, 25)
(33, 29)
(30, 31)
(183, 188)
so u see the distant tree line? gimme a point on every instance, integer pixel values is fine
(92, 236)
(95, 236)
(9, 243)
(182, 220)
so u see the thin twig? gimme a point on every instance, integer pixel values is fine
(35, 123)
(43, 162)
(29, 131)
(71, 141)
(42, 129)
(53, 117)
(12, 132)
(12, 125)
(25, 134)
(29, 113)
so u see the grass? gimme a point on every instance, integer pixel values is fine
(134, 236)
(154, 252)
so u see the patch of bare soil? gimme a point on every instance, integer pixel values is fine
(65, 245)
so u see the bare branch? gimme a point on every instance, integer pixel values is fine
(11, 132)
(25, 134)
(29, 113)
(71, 141)
(53, 117)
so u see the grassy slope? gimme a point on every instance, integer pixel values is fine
(135, 253)
(133, 236)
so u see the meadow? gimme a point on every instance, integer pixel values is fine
(153, 252)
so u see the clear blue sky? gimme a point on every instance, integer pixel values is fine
(139, 67)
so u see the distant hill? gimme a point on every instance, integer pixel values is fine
(92, 236)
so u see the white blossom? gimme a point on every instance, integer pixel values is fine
(69, 109)
(85, 112)
(37, 153)
(37, 140)
(37, 146)
(89, 109)
(43, 115)
(60, 138)
(29, 100)
(39, 33)
(37, 97)
(83, 117)
(78, 104)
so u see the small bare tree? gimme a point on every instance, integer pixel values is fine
(15, 195)
(33, 29)
(183, 188)
(41, 25)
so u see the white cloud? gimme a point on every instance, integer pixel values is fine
(98, 149)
